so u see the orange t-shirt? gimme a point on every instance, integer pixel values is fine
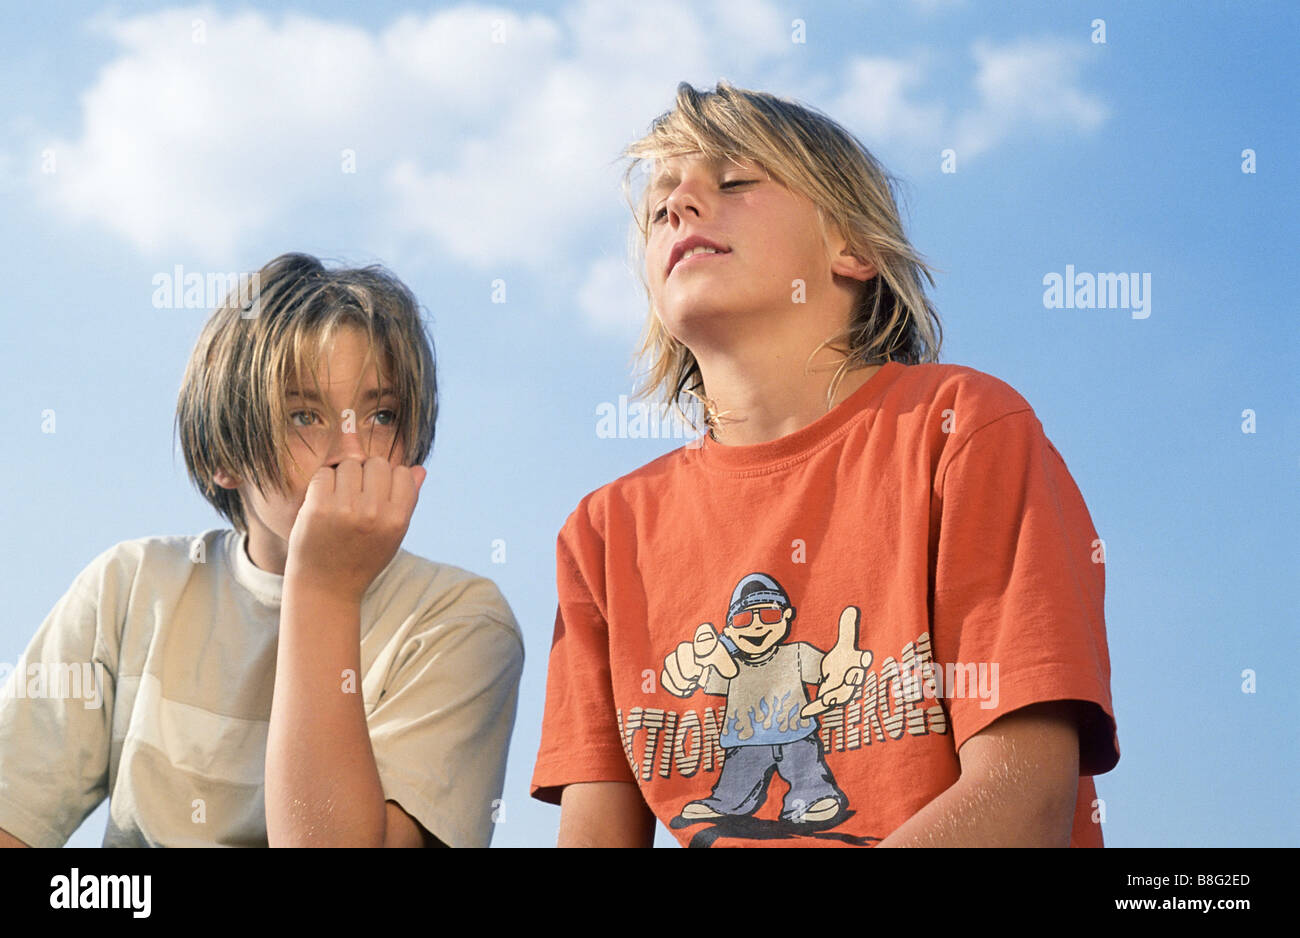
(921, 546)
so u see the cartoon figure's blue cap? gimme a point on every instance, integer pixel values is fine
(755, 590)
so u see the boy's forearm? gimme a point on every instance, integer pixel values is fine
(322, 786)
(986, 812)
(605, 814)
(1018, 786)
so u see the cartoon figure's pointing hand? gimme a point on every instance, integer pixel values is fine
(685, 665)
(843, 668)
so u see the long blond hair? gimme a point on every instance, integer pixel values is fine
(808, 153)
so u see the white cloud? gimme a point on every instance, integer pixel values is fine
(611, 298)
(194, 145)
(1029, 83)
(500, 151)
(490, 153)
(531, 181)
(937, 6)
(879, 102)
(1026, 84)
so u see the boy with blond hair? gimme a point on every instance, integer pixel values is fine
(866, 607)
(301, 679)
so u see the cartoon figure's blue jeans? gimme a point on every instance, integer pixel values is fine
(747, 772)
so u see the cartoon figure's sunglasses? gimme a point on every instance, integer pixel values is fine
(767, 616)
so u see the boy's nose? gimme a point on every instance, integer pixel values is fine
(347, 445)
(682, 202)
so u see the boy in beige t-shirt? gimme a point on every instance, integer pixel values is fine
(300, 680)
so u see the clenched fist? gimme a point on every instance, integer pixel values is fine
(351, 524)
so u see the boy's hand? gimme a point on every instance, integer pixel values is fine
(351, 524)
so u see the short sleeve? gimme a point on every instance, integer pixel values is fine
(56, 711)
(580, 735)
(441, 729)
(1019, 583)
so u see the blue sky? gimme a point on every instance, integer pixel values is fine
(478, 161)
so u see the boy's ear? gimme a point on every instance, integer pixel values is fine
(847, 264)
(225, 479)
(844, 262)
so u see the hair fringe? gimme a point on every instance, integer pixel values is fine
(232, 412)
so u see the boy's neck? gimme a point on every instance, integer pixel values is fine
(758, 411)
(765, 385)
(266, 551)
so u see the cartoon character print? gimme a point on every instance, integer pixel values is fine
(770, 726)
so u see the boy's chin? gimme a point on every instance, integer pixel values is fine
(699, 319)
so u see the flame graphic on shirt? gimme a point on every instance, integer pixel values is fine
(771, 713)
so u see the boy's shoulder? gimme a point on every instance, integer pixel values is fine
(645, 481)
(445, 591)
(978, 395)
(151, 555)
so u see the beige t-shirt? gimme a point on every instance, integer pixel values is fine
(150, 683)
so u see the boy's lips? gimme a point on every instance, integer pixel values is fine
(694, 258)
(681, 248)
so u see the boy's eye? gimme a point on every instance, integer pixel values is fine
(303, 418)
(389, 417)
(659, 214)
